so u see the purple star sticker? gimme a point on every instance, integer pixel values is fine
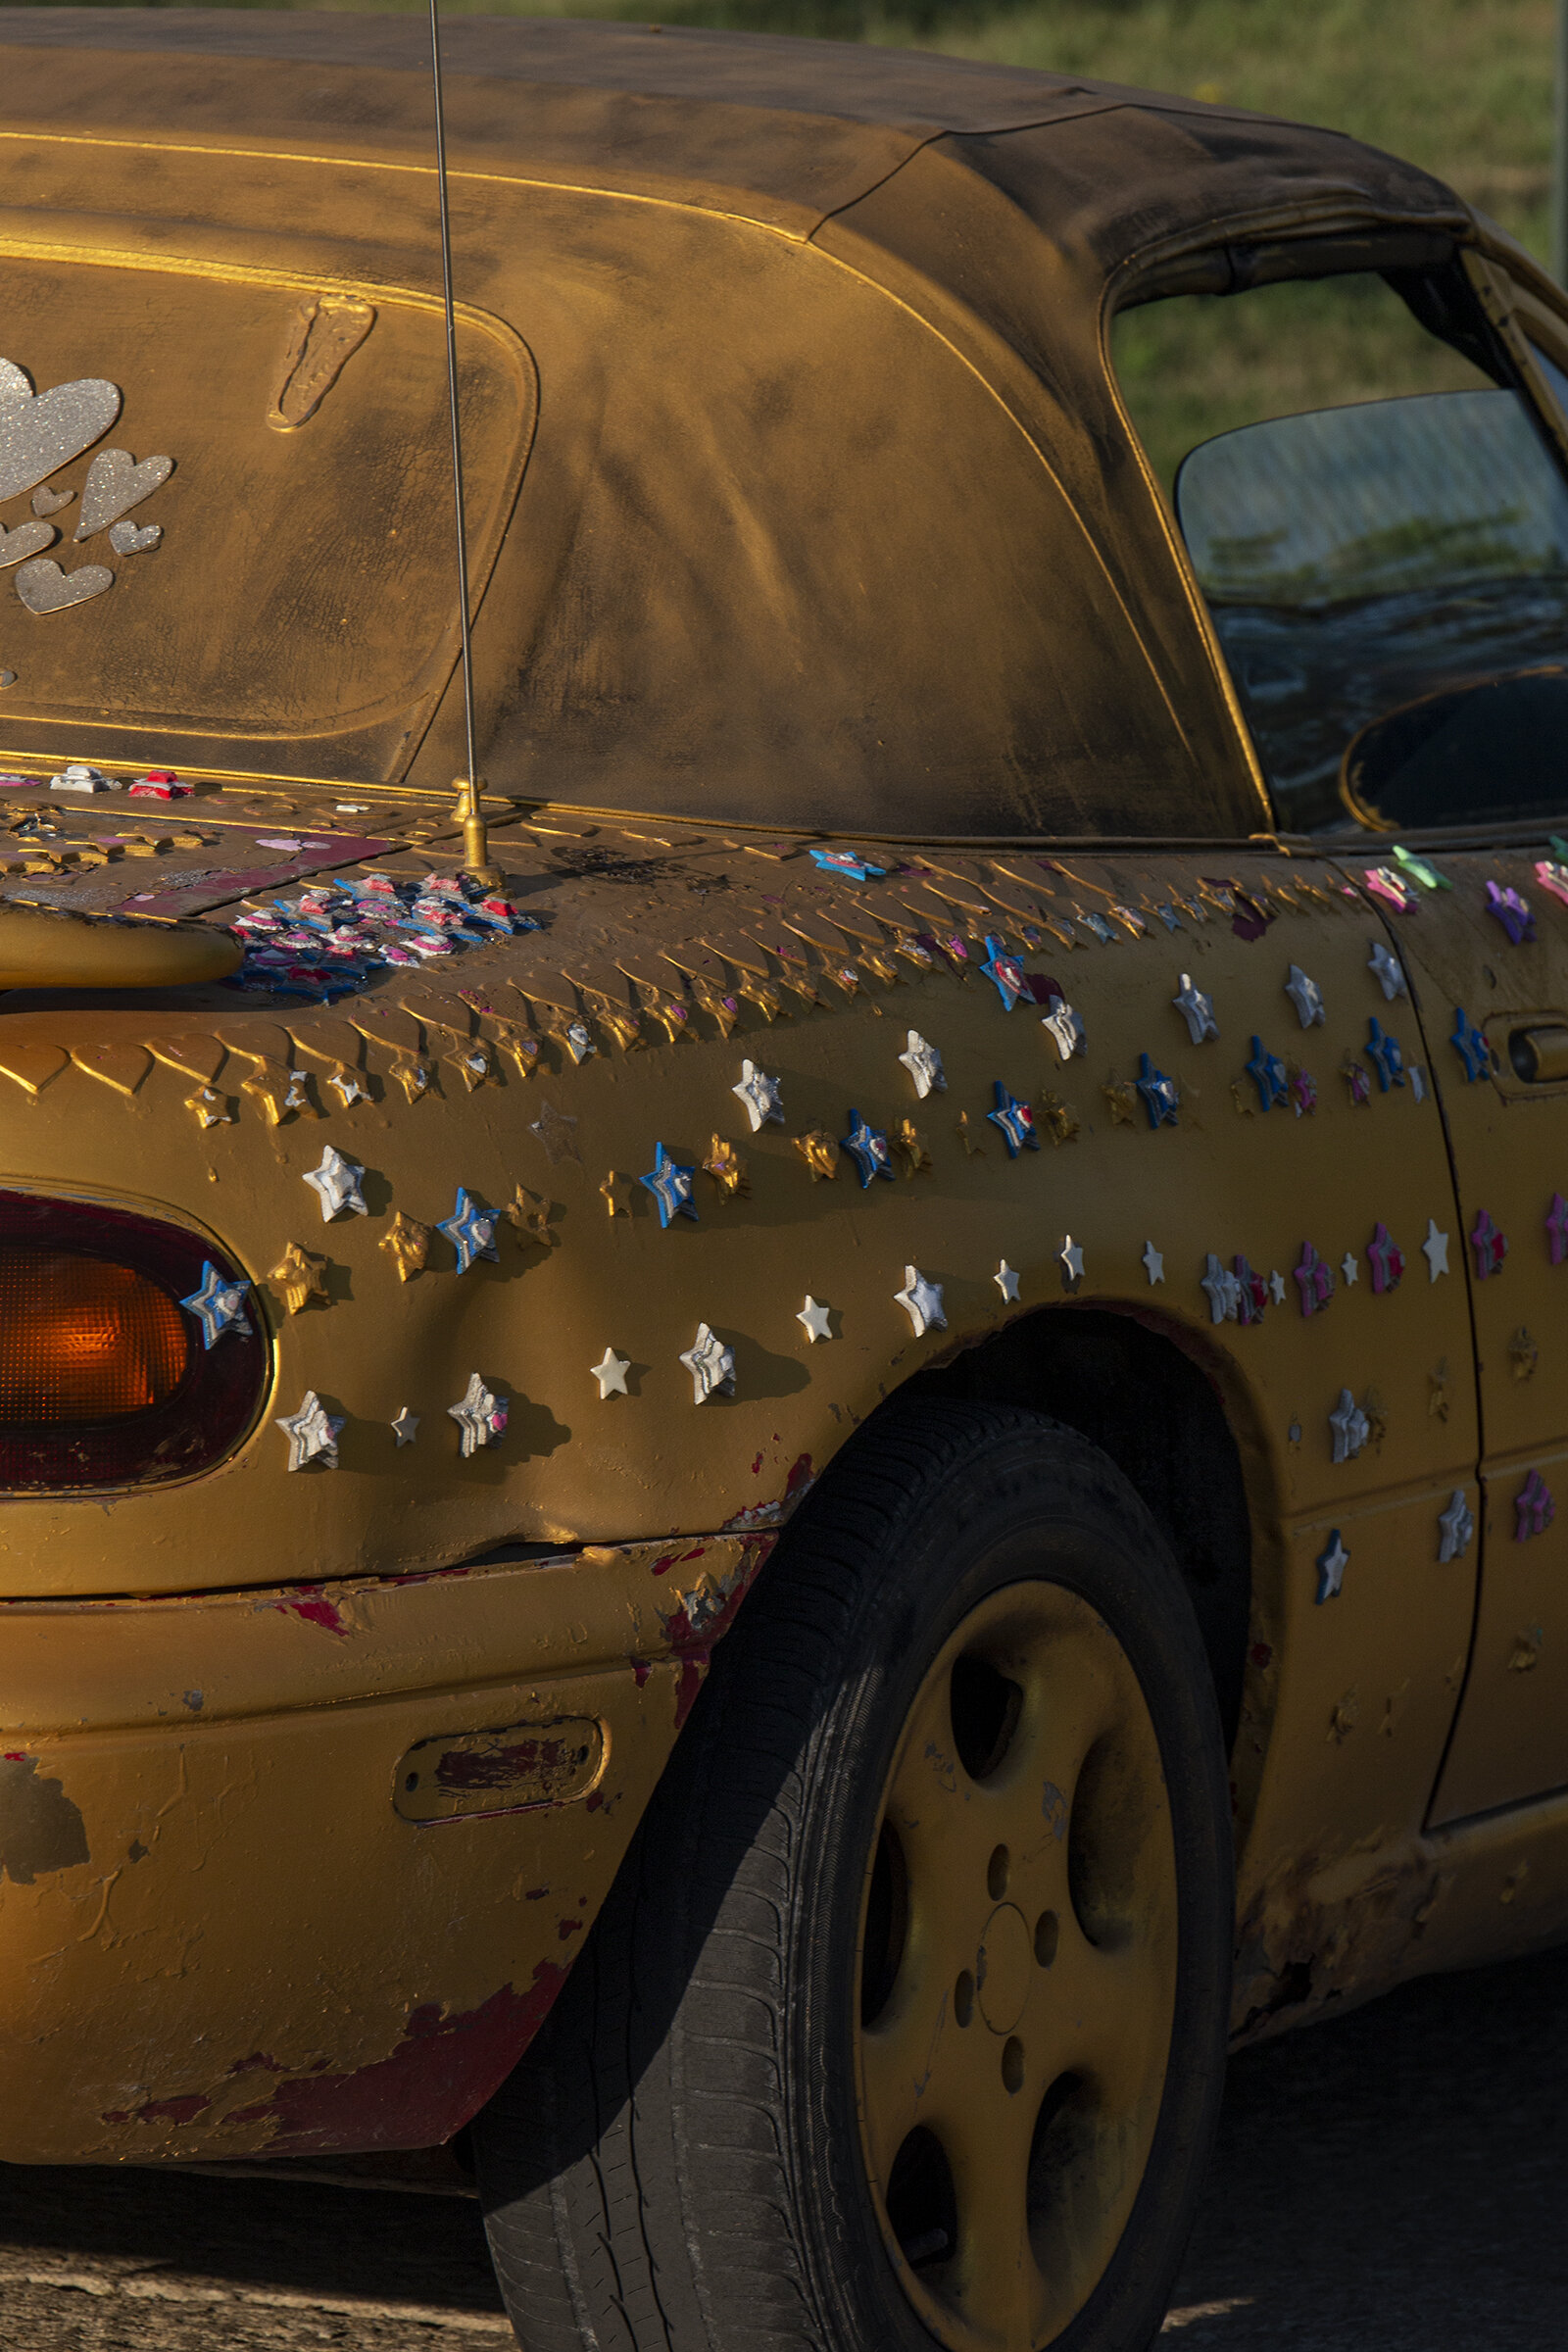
(1304, 1091)
(1490, 1246)
(1314, 1280)
(1557, 1229)
(1387, 1259)
(1254, 1294)
(1512, 912)
(1535, 1508)
(1360, 1084)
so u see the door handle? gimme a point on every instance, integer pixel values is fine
(1539, 1056)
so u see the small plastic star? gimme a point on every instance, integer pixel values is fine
(845, 862)
(611, 1373)
(615, 1193)
(1223, 1291)
(1356, 1079)
(1196, 1010)
(1304, 1091)
(557, 1129)
(1016, 1121)
(1331, 1565)
(1251, 1293)
(761, 1094)
(413, 1075)
(1523, 1354)
(1154, 1263)
(576, 1038)
(1314, 1280)
(211, 1108)
(1418, 1080)
(924, 1065)
(1065, 1029)
(407, 1243)
(1533, 1508)
(336, 1183)
(1349, 1426)
(1383, 1052)
(1388, 971)
(218, 1304)
(1276, 1286)
(1306, 997)
(312, 1433)
(1385, 1258)
(1006, 1278)
(1455, 1527)
(1161, 1095)
(821, 1153)
(480, 1415)
(727, 1169)
(1003, 971)
(1470, 1044)
(406, 1427)
(1267, 1073)
(1490, 1246)
(1385, 883)
(1098, 928)
(813, 1320)
(909, 1140)
(472, 1230)
(1121, 1097)
(1419, 869)
(921, 1302)
(347, 1087)
(1435, 1249)
(867, 1146)
(531, 1216)
(1071, 1256)
(301, 1276)
(1552, 875)
(671, 1187)
(1557, 1229)
(1168, 915)
(1351, 1269)
(1512, 912)
(711, 1364)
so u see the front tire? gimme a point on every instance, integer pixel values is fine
(904, 2024)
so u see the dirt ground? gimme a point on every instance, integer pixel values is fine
(1394, 2178)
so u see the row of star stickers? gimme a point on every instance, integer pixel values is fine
(1456, 1527)
(313, 1433)
(1400, 888)
(1238, 1295)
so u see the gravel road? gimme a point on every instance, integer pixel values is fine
(1394, 2178)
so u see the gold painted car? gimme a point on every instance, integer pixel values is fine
(992, 1171)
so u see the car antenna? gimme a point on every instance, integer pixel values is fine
(469, 786)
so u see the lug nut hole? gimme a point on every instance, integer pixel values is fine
(1012, 2064)
(963, 1998)
(1048, 1930)
(996, 1873)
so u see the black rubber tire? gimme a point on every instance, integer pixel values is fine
(675, 2165)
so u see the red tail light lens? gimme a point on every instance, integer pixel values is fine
(103, 1377)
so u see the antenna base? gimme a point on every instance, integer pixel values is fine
(476, 859)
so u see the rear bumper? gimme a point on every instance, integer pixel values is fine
(219, 1935)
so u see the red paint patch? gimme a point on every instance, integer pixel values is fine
(183, 2110)
(257, 2064)
(568, 1929)
(641, 1670)
(1261, 1655)
(315, 1609)
(595, 1800)
(757, 1465)
(799, 1477)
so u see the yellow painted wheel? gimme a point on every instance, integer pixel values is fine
(1017, 1971)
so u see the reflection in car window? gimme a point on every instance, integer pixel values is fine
(1382, 537)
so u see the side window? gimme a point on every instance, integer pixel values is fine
(1381, 534)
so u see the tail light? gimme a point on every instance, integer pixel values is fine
(103, 1377)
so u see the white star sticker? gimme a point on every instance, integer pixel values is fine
(1223, 1289)
(1418, 1081)
(761, 1094)
(611, 1373)
(1351, 1269)
(921, 1302)
(814, 1319)
(1006, 1278)
(1435, 1249)
(406, 1427)
(1276, 1286)
(1154, 1263)
(480, 1415)
(1306, 997)
(924, 1065)
(711, 1364)
(1387, 970)
(347, 1087)
(311, 1434)
(1066, 1027)
(1331, 1566)
(337, 1182)
(1456, 1527)
(1197, 1009)
(1349, 1426)
(1071, 1255)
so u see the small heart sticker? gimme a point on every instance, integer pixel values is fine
(41, 431)
(50, 502)
(44, 588)
(115, 484)
(27, 539)
(134, 538)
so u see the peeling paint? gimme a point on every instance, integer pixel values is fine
(40, 1830)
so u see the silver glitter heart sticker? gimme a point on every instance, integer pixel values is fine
(41, 431)
(44, 588)
(134, 538)
(50, 502)
(27, 539)
(115, 484)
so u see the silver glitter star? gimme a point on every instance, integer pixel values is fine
(921, 1301)
(1072, 1258)
(1455, 1527)
(1306, 997)
(311, 1434)
(761, 1094)
(1351, 1269)
(218, 1304)
(1349, 1426)
(611, 1373)
(1154, 1263)
(1006, 1278)
(813, 1320)
(924, 1065)
(1223, 1289)
(1387, 969)
(337, 1183)
(711, 1364)
(1066, 1027)
(1197, 1010)
(480, 1415)
(406, 1427)
(1435, 1249)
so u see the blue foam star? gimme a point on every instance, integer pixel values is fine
(1383, 1052)
(868, 1149)
(845, 862)
(1471, 1047)
(1267, 1073)
(672, 1188)
(219, 1304)
(1016, 1121)
(1003, 971)
(472, 1230)
(1160, 1099)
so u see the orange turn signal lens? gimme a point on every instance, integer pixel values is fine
(82, 1339)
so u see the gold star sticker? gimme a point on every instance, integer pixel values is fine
(414, 1074)
(474, 1064)
(1523, 1354)
(820, 1152)
(615, 1193)
(967, 1136)
(911, 1142)
(1058, 1118)
(520, 1047)
(727, 1169)
(407, 1243)
(718, 1006)
(1377, 1418)
(1122, 1097)
(301, 1276)
(211, 1108)
(529, 1212)
(1438, 1392)
(1243, 1108)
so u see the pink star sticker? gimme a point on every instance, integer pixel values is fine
(1387, 1259)
(1557, 1229)
(1535, 1508)
(1314, 1280)
(1490, 1246)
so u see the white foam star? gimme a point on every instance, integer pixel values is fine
(406, 1427)
(336, 1181)
(761, 1096)
(711, 1364)
(1435, 1249)
(1006, 1278)
(1154, 1263)
(611, 1373)
(814, 1319)
(921, 1301)
(311, 1434)
(924, 1065)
